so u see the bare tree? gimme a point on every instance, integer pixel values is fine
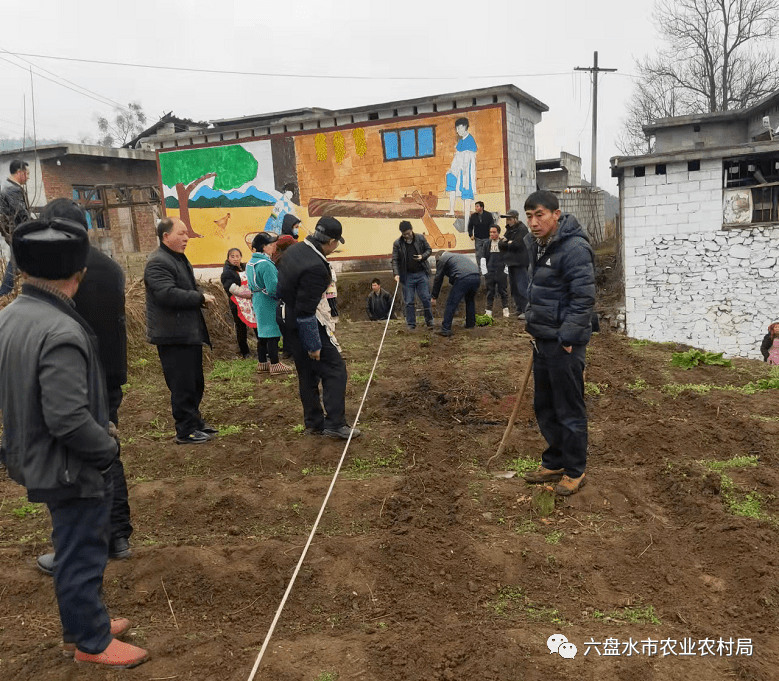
(718, 56)
(125, 124)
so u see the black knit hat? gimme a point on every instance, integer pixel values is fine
(51, 249)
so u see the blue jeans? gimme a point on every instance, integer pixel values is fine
(518, 283)
(80, 532)
(465, 287)
(559, 405)
(416, 284)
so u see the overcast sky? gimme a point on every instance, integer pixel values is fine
(398, 48)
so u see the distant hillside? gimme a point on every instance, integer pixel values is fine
(205, 197)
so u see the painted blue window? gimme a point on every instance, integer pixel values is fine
(390, 145)
(408, 143)
(425, 142)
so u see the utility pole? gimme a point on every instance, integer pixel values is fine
(594, 69)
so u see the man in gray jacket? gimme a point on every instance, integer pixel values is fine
(55, 429)
(464, 278)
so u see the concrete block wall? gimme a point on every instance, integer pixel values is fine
(686, 279)
(520, 127)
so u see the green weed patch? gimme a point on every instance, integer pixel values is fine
(693, 358)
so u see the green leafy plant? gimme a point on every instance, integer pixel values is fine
(554, 537)
(484, 320)
(298, 428)
(694, 357)
(594, 388)
(640, 384)
(26, 509)
(522, 465)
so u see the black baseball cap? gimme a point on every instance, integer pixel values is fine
(331, 228)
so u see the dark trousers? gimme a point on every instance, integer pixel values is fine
(559, 405)
(330, 371)
(465, 287)
(518, 284)
(241, 332)
(182, 366)
(481, 247)
(8, 278)
(80, 529)
(417, 284)
(496, 285)
(120, 509)
(268, 350)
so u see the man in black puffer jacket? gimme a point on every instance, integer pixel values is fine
(561, 296)
(175, 324)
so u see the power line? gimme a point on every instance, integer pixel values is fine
(81, 87)
(67, 87)
(280, 75)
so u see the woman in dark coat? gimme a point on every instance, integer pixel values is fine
(233, 286)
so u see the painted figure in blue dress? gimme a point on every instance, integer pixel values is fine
(461, 178)
(281, 208)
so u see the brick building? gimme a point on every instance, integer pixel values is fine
(426, 160)
(117, 187)
(700, 229)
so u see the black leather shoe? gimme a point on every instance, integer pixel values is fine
(313, 431)
(46, 564)
(119, 548)
(196, 437)
(208, 429)
(342, 433)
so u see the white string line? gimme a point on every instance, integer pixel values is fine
(327, 497)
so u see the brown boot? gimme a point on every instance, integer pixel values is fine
(569, 485)
(119, 655)
(119, 627)
(542, 474)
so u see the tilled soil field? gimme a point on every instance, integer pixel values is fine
(426, 566)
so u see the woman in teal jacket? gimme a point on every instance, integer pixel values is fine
(262, 276)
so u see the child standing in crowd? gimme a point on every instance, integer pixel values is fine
(262, 277)
(770, 345)
(493, 267)
(234, 286)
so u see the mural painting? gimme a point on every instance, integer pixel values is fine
(429, 170)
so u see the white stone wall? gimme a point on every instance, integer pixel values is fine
(520, 128)
(688, 280)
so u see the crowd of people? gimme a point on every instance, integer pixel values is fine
(63, 357)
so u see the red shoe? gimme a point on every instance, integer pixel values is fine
(119, 655)
(119, 627)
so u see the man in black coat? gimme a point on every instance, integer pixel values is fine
(14, 210)
(100, 300)
(379, 303)
(559, 317)
(305, 317)
(410, 265)
(175, 324)
(479, 224)
(515, 257)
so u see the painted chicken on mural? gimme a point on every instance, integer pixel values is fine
(221, 223)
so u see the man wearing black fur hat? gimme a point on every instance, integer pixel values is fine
(100, 301)
(304, 314)
(55, 429)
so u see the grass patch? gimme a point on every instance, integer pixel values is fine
(554, 537)
(26, 509)
(327, 676)
(749, 461)
(640, 384)
(638, 343)
(676, 389)
(526, 527)
(630, 615)
(595, 388)
(235, 429)
(749, 505)
(511, 600)
(522, 465)
(767, 419)
(361, 377)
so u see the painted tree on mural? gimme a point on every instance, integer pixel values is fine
(185, 170)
